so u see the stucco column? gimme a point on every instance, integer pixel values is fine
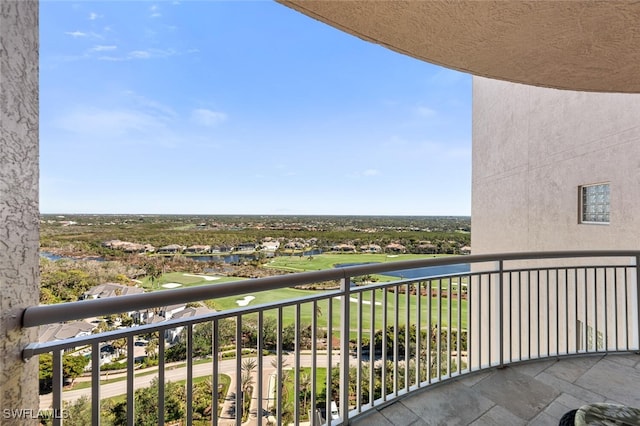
(19, 216)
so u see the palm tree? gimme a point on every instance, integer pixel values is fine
(249, 365)
(284, 362)
(152, 346)
(153, 272)
(305, 389)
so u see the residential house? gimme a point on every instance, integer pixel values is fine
(171, 249)
(248, 247)
(344, 248)
(128, 247)
(196, 249)
(371, 248)
(110, 290)
(52, 332)
(395, 248)
(270, 245)
(172, 334)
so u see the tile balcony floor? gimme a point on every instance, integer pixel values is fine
(532, 393)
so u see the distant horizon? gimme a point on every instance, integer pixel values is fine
(247, 214)
(242, 107)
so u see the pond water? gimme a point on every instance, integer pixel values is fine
(430, 271)
(54, 257)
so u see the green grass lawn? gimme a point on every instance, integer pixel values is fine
(186, 280)
(306, 310)
(289, 395)
(327, 261)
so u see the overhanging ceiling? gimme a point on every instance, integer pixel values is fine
(576, 45)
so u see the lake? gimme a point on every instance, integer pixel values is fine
(430, 271)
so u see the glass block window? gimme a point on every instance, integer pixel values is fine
(594, 203)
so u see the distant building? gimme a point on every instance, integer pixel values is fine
(344, 248)
(426, 247)
(246, 247)
(110, 290)
(371, 248)
(395, 248)
(53, 332)
(270, 245)
(171, 249)
(172, 334)
(198, 249)
(128, 246)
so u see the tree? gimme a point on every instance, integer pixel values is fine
(305, 390)
(78, 412)
(152, 345)
(248, 367)
(119, 345)
(202, 407)
(146, 405)
(153, 272)
(72, 367)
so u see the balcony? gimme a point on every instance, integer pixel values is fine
(515, 338)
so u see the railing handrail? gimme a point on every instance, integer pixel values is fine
(587, 289)
(49, 314)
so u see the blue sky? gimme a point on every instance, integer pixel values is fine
(221, 107)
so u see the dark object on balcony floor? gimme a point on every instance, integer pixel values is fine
(602, 414)
(568, 419)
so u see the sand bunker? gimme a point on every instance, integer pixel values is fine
(171, 285)
(204, 277)
(245, 301)
(364, 302)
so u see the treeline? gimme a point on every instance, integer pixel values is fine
(67, 280)
(86, 234)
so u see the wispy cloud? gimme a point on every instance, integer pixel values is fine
(81, 34)
(93, 16)
(76, 34)
(151, 106)
(424, 111)
(114, 122)
(371, 172)
(155, 11)
(206, 117)
(101, 48)
(142, 54)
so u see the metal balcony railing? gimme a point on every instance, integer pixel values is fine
(355, 348)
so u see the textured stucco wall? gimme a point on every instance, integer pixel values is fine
(19, 232)
(532, 148)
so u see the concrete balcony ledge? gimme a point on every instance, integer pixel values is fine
(531, 393)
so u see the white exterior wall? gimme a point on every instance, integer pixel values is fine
(532, 150)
